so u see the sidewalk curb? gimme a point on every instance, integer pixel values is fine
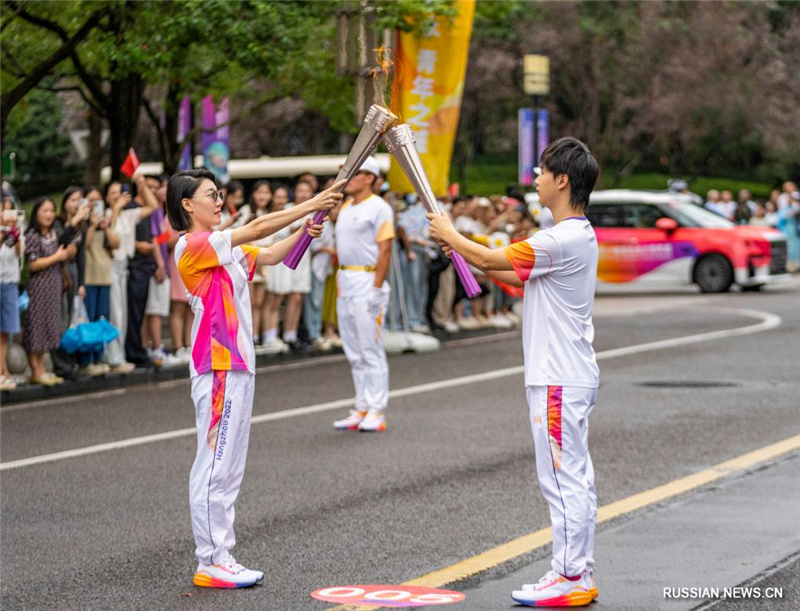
(112, 381)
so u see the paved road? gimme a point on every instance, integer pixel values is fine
(453, 476)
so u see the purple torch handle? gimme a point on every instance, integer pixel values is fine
(292, 260)
(465, 275)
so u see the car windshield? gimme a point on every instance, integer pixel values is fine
(690, 215)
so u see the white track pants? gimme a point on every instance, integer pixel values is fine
(560, 424)
(361, 332)
(223, 402)
(118, 304)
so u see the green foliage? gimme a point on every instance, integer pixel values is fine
(33, 134)
(491, 174)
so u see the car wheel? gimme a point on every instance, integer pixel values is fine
(713, 274)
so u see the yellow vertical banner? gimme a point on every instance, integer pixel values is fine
(427, 90)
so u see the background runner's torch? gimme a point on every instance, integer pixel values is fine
(377, 121)
(400, 143)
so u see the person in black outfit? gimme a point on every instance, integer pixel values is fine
(140, 268)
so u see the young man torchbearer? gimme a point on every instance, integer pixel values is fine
(558, 269)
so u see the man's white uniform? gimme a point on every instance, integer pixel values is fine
(559, 268)
(359, 229)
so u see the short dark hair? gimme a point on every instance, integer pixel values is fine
(184, 185)
(570, 156)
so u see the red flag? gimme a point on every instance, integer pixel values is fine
(131, 163)
(510, 290)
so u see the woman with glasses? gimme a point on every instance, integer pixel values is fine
(215, 267)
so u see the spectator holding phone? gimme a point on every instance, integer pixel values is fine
(124, 219)
(100, 240)
(45, 285)
(10, 251)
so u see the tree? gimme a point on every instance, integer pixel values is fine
(186, 47)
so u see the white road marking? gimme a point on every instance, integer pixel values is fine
(768, 321)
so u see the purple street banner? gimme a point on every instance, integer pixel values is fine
(216, 151)
(184, 127)
(543, 129)
(526, 154)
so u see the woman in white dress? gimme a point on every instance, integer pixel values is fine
(259, 204)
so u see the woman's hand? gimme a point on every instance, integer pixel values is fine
(314, 230)
(94, 220)
(65, 253)
(81, 215)
(441, 227)
(329, 198)
(82, 292)
(123, 200)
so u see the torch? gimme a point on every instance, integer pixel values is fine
(400, 143)
(377, 121)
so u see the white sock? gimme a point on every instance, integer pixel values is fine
(269, 335)
(290, 336)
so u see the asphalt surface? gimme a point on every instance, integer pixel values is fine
(452, 477)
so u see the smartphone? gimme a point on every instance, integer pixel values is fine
(20, 217)
(9, 216)
(125, 189)
(83, 202)
(98, 207)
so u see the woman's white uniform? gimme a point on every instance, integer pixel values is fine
(359, 229)
(559, 268)
(222, 371)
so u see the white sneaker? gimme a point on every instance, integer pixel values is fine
(591, 583)
(468, 323)
(351, 422)
(275, 346)
(421, 329)
(184, 353)
(124, 367)
(498, 321)
(322, 344)
(229, 574)
(554, 590)
(171, 360)
(451, 327)
(373, 422)
(154, 355)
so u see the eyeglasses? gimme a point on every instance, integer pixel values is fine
(215, 195)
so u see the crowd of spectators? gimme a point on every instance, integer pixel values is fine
(110, 251)
(780, 211)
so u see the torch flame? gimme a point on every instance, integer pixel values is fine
(380, 73)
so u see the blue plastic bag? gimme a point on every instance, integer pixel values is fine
(83, 336)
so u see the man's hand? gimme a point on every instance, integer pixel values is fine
(329, 198)
(160, 274)
(375, 301)
(441, 227)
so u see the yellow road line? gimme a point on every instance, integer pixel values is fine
(540, 538)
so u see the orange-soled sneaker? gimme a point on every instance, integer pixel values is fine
(591, 583)
(351, 422)
(554, 590)
(373, 422)
(229, 574)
